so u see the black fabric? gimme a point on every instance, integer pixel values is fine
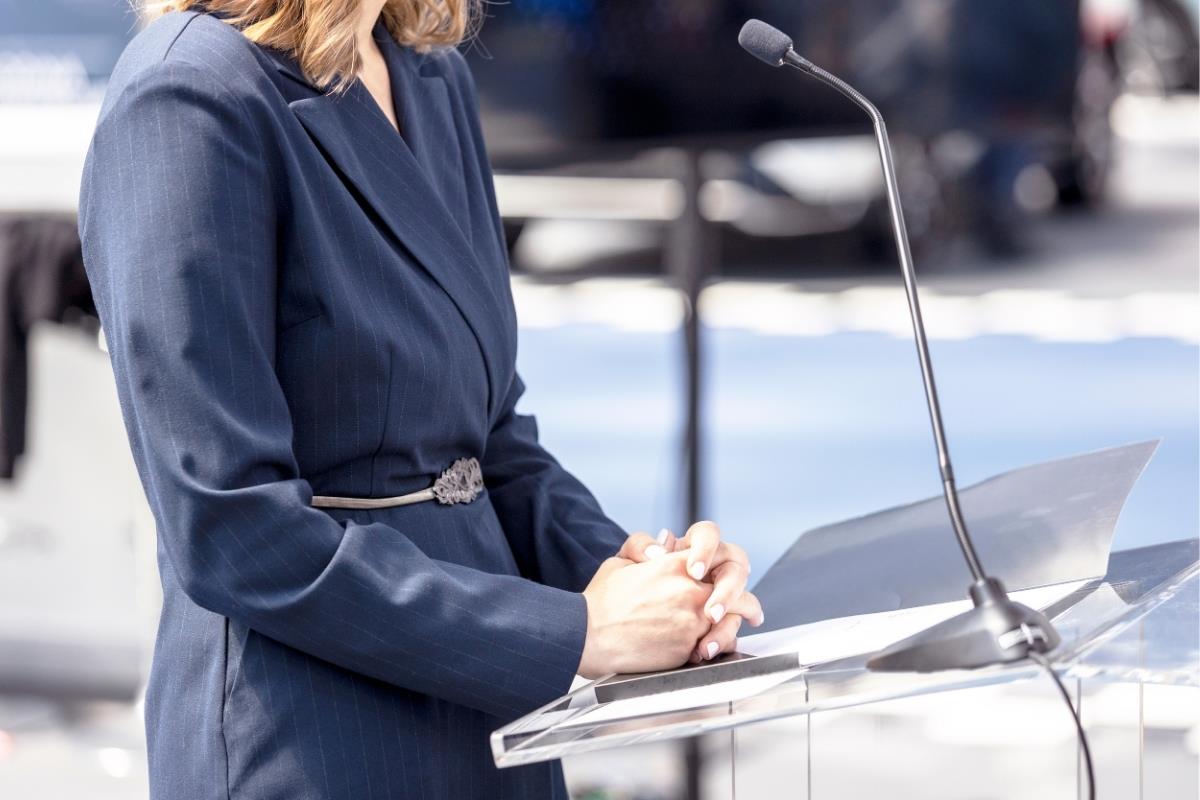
(41, 278)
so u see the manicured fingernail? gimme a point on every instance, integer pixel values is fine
(655, 551)
(712, 648)
(663, 535)
(716, 611)
(697, 570)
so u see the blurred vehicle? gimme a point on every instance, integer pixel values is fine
(996, 108)
(1161, 54)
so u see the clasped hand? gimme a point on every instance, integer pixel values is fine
(659, 603)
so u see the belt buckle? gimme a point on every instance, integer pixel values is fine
(461, 482)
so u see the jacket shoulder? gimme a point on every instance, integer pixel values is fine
(211, 45)
(187, 48)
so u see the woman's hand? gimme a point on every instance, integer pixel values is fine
(643, 617)
(723, 564)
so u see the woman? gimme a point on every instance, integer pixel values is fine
(368, 561)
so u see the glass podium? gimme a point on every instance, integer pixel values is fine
(1135, 623)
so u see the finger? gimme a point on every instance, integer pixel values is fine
(701, 540)
(747, 607)
(667, 540)
(729, 582)
(641, 547)
(728, 551)
(721, 638)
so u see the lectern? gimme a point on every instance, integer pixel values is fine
(1125, 616)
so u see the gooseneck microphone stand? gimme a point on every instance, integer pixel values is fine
(997, 629)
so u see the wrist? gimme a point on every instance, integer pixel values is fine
(589, 659)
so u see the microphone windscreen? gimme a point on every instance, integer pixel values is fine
(764, 41)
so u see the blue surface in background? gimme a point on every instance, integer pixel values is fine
(802, 431)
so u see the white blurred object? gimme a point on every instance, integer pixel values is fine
(115, 761)
(823, 170)
(560, 245)
(32, 77)
(42, 150)
(775, 308)
(78, 586)
(629, 304)
(1035, 190)
(1157, 120)
(593, 198)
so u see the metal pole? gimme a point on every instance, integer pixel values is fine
(687, 255)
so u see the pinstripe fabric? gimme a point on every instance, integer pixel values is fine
(298, 301)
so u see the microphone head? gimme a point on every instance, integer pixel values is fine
(764, 42)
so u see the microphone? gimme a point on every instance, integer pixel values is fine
(997, 629)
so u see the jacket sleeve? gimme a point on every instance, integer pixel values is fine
(553, 523)
(178, 216)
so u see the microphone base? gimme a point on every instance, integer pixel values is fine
(996, 631)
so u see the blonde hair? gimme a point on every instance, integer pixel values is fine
(320, 34)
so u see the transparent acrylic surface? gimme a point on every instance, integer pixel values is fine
(1136, 624)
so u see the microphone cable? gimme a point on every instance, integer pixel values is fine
(1066, 696)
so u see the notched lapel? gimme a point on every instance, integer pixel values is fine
(357, 138)
(423, 105)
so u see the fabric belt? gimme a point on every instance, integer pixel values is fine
(461, 482)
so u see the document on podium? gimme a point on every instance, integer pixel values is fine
(1035, 527)
(833, 639)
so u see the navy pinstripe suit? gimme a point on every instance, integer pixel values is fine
(299, 301)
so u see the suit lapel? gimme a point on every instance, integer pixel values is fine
(423, 105)
(358, 139)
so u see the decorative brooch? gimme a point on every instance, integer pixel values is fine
(461, 482)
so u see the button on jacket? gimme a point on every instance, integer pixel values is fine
(299, 300)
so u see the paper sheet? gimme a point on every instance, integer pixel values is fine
(831, 639)
(1035, 526)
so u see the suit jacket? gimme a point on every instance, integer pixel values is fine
(298, 301)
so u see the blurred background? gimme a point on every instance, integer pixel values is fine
(1049, 159)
